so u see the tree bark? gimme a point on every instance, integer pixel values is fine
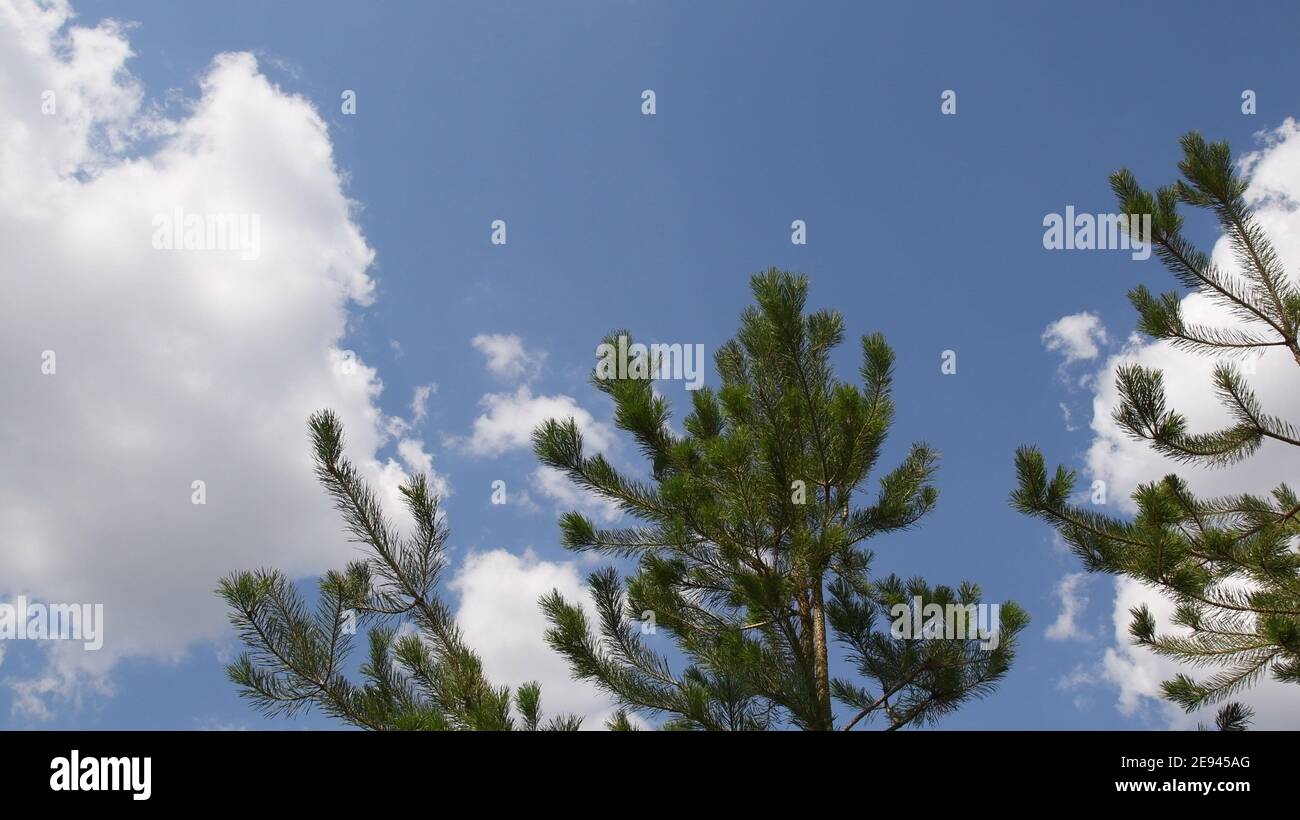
(821, 665)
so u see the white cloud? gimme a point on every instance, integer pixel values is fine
(1123, 463)
(507, 358)
(500, 617)
(417, 460)
(1077, 677)
(1137, 673)
(1079, 680)
(420, 402)
(172, 366)
(510, 418)
(524, 500)
(1068, 416)
(1078, 337)
(556, 486)
(1073, 604)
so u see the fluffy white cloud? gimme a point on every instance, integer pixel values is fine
(1137, 673)
(556, 486)
(170, 367)
(1078, 337)
(1073, 603)
(509, 420)
(1123, 463)
(500, 617)
(507, 358)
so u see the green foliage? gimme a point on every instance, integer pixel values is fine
(1234, 718)
(1230, 564)
(742, 573)
(426, 678)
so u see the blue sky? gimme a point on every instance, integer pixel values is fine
(923, 226)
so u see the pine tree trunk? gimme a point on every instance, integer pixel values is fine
(821, 666)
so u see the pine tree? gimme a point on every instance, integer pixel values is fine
(426, 678)
(1233, 717)
(750, 551)
(1229, 564)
